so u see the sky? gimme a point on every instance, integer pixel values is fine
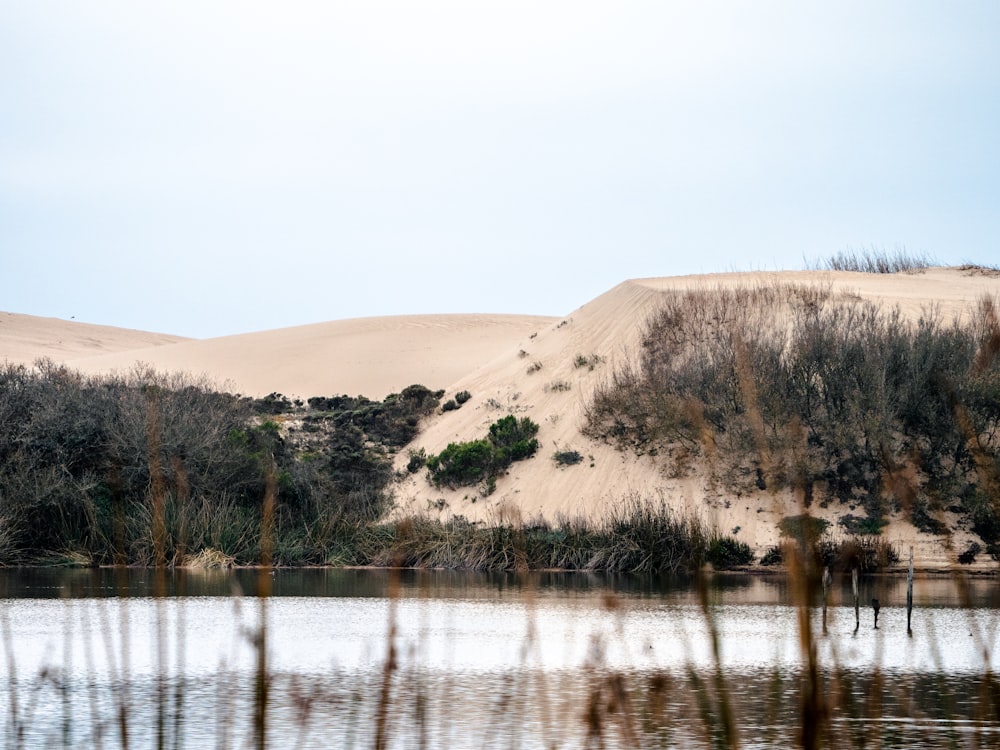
(211, 168)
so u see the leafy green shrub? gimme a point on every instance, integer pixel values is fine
(449, 405)
(462, 396)
(463, 464)
(728, 552)
(513, 438)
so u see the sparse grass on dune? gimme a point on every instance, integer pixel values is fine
(874, 260)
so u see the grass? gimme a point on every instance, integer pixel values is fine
(638, 536)
(874, 260)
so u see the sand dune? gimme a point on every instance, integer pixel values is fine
(511, 364)
(366, 356)
(609, 327)
(25, 338)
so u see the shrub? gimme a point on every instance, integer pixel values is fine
(590, 362)
(417, 460)
(462, 396)
(513, 438)
(463, 464)
(449, 405)
(817, 392)
(773, 556)
(866, 553)
(145, 467)
(567, 458)
(969, 556)
(728, 552)
(804, 529)
(864, 526)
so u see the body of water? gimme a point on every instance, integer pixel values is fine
(356, 658)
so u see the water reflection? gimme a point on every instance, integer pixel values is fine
(545, 660)
(730, 588)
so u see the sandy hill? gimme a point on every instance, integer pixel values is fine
(544, 377)
(25, 338)
(364, 356)
(544, 368)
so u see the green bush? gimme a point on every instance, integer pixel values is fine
(513, 438)
(728, 552)
(464, 464)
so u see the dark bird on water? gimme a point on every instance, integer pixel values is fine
(876, 608)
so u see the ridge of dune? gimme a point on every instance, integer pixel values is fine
(360, 356)
(27, 338)
(539, 378)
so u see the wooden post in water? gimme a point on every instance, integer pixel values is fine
(826, 587)
(909, 595)
(857, 609)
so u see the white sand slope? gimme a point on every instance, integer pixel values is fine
(609, 327)
(366, 356)
(25, 338)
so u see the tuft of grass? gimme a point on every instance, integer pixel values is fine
(874, 260)
(559, 386)
(590, 361)
(209, 559)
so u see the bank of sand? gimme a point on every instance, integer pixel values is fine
(523, 365)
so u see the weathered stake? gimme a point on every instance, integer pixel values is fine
(826, 587)
(857, 602)
(909, 595)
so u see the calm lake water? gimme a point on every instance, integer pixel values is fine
(93, 659)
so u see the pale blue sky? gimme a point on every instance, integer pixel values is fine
(222, 167)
